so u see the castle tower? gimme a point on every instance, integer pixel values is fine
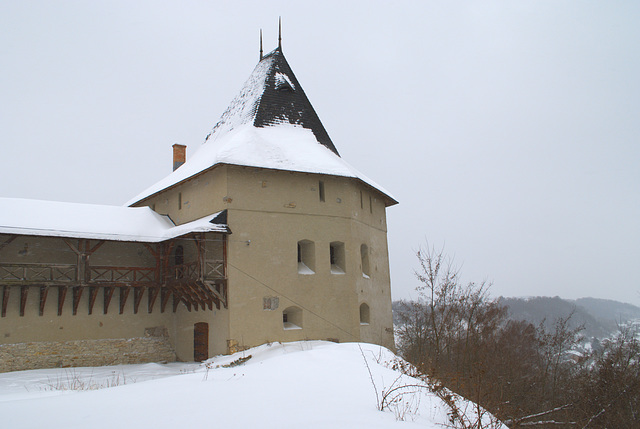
(308, 256)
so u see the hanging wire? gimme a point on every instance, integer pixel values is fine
(294, 301)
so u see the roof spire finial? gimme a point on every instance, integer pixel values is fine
(261, 44)
(280, 32)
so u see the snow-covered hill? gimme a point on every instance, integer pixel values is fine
(294, 385)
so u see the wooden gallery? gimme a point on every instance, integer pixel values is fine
(264, 234)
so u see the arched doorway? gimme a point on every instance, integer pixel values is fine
(200, 341)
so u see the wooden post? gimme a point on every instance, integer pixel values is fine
(224, 255)
(153, 294)
(108, 293)
(44, 291)
(165, 294)
(24, 290)
(201, 245)
(77, 294)
(93, 293)
(137, 297)
(124, 294)
(62, 293)
(5, 299)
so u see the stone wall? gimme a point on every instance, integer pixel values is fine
(35, 355)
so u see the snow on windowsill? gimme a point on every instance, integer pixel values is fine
(336, 269)
(364, 324)
(365, 276)
(303, 269)
(288, 326)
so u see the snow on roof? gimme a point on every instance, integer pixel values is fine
(284, 147)
(242, 109)
(270, 124)
(74, 220)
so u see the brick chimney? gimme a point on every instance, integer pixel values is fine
(179, 155)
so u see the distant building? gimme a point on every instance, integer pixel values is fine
(264, 234)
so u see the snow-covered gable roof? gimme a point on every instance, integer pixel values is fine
(73, 220)
(270, 124)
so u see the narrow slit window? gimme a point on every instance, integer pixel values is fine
(361, 202)
(179, 200)
(370, 205)
(321, 190)
(364, 254)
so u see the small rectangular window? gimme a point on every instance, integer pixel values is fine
(337, 257)
(306, 257)
(321, 190)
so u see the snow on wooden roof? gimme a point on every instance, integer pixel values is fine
(270, 124)
(100, 222)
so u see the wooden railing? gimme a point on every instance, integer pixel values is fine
(44, 273)
(214, 269)
(105, 274)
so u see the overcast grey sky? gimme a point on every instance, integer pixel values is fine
(507, 130)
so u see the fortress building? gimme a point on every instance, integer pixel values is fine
(264, 234)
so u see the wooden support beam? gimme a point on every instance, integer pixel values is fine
(44, 291)
(197, 295)
(151, 250)
(153, 294)
(75, 249)
(210, 294)
(124, 294)
(176, 301)
(108, 293)
(165, 265)
(62, 294)
(200, 295)
(84, 262)
(93, 293)
(96, 247)
(5, 299)
(137, 297)
(178, 297)
(7, 241)
(80, 260)
(165, 293)
(214, 295)
(186, 296)
(77, 294)
(224, 255)
(200, 243)
(24, 290)
(157, 255)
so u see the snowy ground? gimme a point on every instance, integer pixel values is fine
(304, 384)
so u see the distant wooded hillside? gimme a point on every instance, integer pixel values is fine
(600, 317)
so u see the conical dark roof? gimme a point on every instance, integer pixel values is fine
(271, 96)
